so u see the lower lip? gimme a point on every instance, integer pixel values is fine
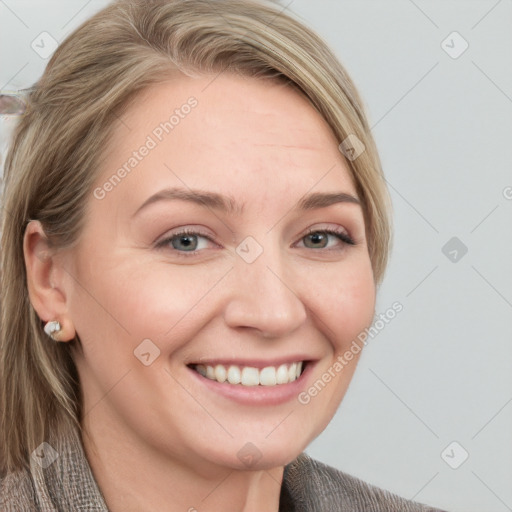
(258, 395)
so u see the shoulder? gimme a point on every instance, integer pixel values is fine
(63, 482)
(311, 486)
(17, 493)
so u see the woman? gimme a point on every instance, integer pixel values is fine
(142, 374)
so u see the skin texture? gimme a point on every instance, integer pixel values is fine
(157, 438)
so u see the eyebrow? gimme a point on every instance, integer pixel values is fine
(322, 200)
(208, 199)
(227, 204)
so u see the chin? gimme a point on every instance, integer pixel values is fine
(270, 453)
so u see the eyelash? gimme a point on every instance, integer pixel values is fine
(341, 235)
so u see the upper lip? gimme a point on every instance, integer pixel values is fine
(254, 363)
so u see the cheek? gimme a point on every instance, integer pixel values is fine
(346, 302)
(165, 298)
(132, 300)
(341, 308)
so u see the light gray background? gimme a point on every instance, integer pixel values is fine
(441, 370)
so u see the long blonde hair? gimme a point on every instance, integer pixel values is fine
(57, 146)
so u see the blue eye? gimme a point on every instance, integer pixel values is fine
(319, 238)
(185, 241)
(189, 243)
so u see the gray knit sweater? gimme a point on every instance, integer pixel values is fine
(68, 485)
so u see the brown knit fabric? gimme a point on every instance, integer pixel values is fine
(311, 486)
(68, 485)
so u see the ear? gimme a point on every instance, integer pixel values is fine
(44, 281)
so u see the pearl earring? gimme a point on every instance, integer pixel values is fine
(51, 328)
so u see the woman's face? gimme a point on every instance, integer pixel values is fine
(265, 275)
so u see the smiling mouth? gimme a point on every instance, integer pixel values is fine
(251, 376)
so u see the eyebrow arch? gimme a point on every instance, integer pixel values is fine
(227, 204)
(203, 198)
(322, 200)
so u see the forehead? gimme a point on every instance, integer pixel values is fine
(246, 137)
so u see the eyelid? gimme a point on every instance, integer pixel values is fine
(180, 232)
(338, 231)
(341, 233)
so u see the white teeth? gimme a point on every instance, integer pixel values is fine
(234, 376)
(249, 376)
(292, 371)
(282, 374)
(220, 373)
(268, 376)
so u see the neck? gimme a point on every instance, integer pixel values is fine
(133, 476)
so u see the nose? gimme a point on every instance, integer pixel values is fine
(262, 297)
